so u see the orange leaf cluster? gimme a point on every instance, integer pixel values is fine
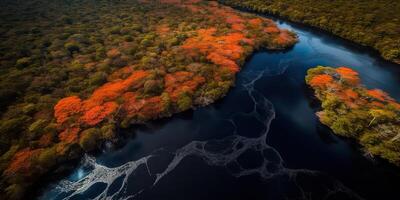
(348, 74)
(377, 104)
(233, 18)
(152, 107)
(256, 22)
(351, 94)
(96, 114)
(283, 37)
(120, 73)
(66, 108)
(321, 80)
(238, 27)
(272, 29)
(69, 135)
(221, 50)
(349, 97)
(378, 94)
(179, 82)
(149, 108)
(102, 102)
(22, 162)
(100, 105)
(45, 140)
(132, 105)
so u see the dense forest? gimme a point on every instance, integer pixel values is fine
(374, 23)
(72, 72)
(369, 115)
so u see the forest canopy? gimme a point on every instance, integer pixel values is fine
(351, 110)
(373, 23)
(72, 72)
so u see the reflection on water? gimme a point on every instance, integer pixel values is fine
(262, 141)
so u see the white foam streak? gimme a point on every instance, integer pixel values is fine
(228, 151)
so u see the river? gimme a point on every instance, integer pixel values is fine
(262, 141)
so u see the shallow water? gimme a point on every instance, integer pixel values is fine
(262, 141)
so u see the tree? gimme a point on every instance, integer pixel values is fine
(23, 62)
(72, 47)
(348, 75)
(37, 127)
(320, 81)
(380, 115)
(48, 157)
(184, 101)
(15, 191)
(153, 87)
(98, 79)
(89, 139)
(108, 131)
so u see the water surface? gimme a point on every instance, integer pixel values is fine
(262, 141)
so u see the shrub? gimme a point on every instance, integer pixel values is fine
(48, 157)
(23, 62)
(153, 87)
(184, 101)
(98, 79)
(89, 139)
(72, 47)
(36, 128)
(108, 131)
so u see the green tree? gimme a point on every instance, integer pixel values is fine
(89, 139)
(184, 101)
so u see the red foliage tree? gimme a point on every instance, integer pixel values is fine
(102, 102)
(221, 50)
(272, 29)
(66, 108)
(22, 162)
(46, 140)
(179, 82)
(256, 22)
(69, 135)
(96, 114)
(378, 94)
(321, 80)
(348, 75)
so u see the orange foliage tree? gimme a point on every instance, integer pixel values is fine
(321, 80)
(378, 94)
(22, 161)
(66, 108)
(348, 75)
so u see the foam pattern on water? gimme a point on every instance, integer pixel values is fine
(221, 153)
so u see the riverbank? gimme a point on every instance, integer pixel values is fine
(98, 72)
(270, 93)
(369, 24)
(370, 116)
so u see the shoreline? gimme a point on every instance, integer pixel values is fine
(269, 14)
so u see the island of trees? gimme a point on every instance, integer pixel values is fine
(370, 116)
(72, 72)
(373, 23)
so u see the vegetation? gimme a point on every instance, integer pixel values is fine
(374, 23)
(73, 71)
(351, 110)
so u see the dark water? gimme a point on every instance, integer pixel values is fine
(262, 141)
